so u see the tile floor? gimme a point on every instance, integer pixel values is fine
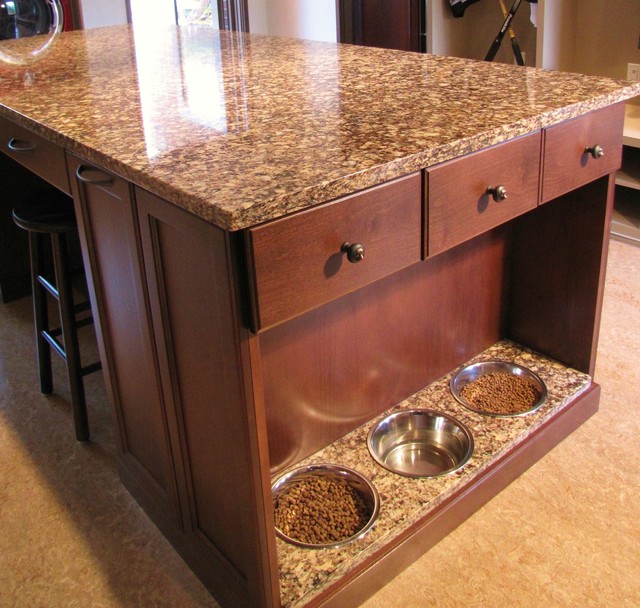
(565, 534)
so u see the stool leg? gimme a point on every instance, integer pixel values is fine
(70, 335)
(40, 314)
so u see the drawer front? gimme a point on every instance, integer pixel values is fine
(460, 203)
(571, 156)
(298, 262)
(35, 153)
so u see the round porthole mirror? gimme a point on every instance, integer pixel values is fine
(27, 28)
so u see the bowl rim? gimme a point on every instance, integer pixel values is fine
(525, 372)
(422, 411)
(287, 475)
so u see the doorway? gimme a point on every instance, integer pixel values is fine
(223, 14)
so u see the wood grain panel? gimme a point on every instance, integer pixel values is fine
(558, 269)
(334, 368)
(297, 261)
(190, 277)
(108, 230)
(44, 158)
(566, 164)
(389, 24)
(459, 207)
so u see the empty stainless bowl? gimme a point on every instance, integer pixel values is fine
(420, 443)
(472, 372)
(355, 480)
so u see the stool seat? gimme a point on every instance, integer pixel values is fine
(50, 213)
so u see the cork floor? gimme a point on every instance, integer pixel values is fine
(564, 534)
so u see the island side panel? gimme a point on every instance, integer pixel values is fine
(208, 366)
(557, 274)
(111, 252)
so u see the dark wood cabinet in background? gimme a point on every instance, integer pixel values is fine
(389, 24)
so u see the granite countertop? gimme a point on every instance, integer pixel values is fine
(240, 129)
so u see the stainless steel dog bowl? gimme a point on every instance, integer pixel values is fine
(472, 372)
(333, 472)
(420, 443)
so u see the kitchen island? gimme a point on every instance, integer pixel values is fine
(221, 181)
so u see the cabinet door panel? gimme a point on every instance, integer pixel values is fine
(459, 204)
(299, 261)
(105, 212)
(203, 356)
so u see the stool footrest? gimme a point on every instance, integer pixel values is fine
(89, 369)
(82, 307)
(84, 322)
(50, 337)
(49, 287)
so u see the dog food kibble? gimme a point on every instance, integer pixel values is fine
(500, 393)
(320, 511)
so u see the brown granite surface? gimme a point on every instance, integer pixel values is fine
(239, 128)
(304, 573)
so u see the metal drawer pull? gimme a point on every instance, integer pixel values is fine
(90, 175)
(355, 252)
(595, 151)
(19, 145)
(499, 193)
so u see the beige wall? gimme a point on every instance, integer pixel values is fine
(590, 36)
(311, 19)
(556, 34)
(471, 36)
(96, 13)
(607, 37)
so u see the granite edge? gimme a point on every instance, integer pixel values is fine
(232, 219)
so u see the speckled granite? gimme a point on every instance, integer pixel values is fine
(239, 129)
(305, 573)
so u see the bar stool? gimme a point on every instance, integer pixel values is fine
(51, 213)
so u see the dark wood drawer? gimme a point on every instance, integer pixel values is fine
(459, 204)
(35, 153)
(568, 163)
(297, 262)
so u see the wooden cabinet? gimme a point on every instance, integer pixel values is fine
(35, 153)
(625, 223)
(109, 232)
(308, 259)
(390, 24)
(177, 366)
(208, 409)
(214, 419)
(581, 150)
(472, 194)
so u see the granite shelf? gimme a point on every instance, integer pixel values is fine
(305, 573)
